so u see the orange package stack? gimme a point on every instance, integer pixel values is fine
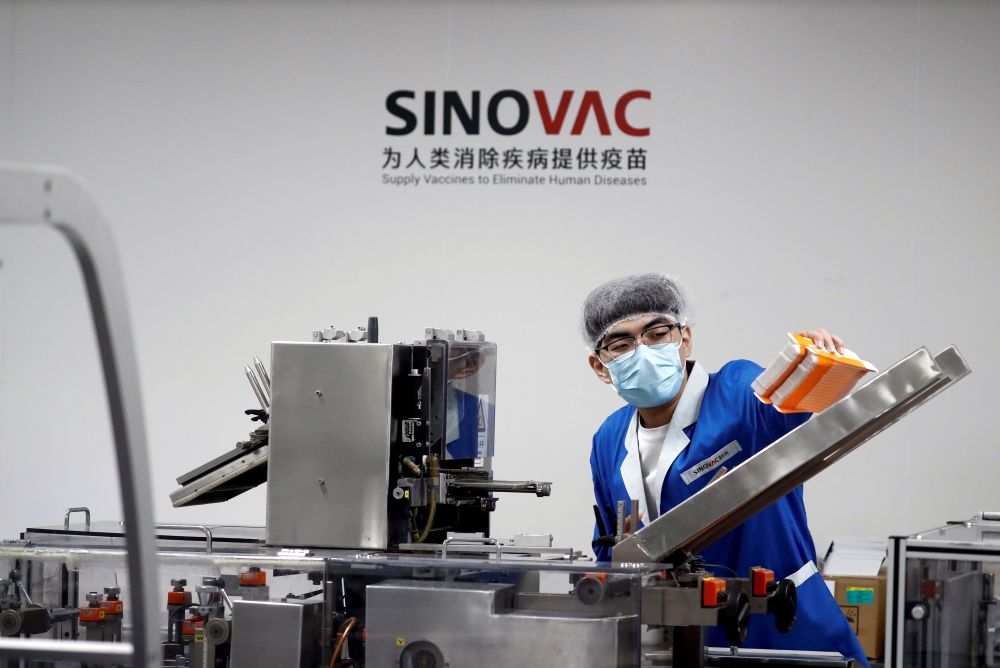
(808, 379)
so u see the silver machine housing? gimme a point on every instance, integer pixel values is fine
(478, 624)
(328, 472)
(363, 434)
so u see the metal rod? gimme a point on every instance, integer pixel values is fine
(225, 598)
(264, 377)
(255, 386)
(620, 522)
(326, 630)
(46, 649)
(521, 486)
(24, 593)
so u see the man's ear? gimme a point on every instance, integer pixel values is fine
(599, 369)
(686, 345)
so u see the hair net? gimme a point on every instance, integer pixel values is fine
(631, 296)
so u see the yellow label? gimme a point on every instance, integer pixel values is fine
(199, 637)
(400, 641)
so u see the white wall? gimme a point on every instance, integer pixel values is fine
(811, 164)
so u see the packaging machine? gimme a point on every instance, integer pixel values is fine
(377, 549)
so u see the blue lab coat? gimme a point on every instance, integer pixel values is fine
(719, 422)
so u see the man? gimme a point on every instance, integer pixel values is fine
(681, 425)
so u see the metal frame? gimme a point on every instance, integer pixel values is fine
(56, 198)
(895, 601)
(794, 458)
(931, 544)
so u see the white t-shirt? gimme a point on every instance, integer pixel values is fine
(650, 444)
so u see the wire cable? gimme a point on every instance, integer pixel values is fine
(430, 517)
(342, 633)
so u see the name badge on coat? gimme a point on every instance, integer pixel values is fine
(711, 463)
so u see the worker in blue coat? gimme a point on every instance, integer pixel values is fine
(683, 426)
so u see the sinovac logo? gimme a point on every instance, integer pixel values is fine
(711, 463)
(508, 112)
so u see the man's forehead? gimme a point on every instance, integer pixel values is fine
(638, 324)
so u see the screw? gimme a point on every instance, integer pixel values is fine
(321, 481)
(319, 393)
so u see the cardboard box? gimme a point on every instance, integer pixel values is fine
(862, 599)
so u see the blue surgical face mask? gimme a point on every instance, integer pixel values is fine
(649, 375)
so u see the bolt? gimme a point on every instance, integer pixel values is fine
(321, 481)
(319, 393)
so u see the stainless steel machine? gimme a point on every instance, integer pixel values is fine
(377, 549)
(382, 444)
(368, 445)
(943, 604)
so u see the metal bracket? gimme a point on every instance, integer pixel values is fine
(191, 527)
(471, 540)
(80, 509)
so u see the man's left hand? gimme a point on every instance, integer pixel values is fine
(825, 340)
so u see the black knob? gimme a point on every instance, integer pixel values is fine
(10, 623)
(734, 617)
(783, 604)
(217, 631)
(917, 611)
(590, 590)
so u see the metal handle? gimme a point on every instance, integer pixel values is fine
(51, 197)
(191, 527)
(80, 509)
(471, 540)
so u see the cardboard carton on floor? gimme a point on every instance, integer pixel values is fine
(862, 600)
(855, 574)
